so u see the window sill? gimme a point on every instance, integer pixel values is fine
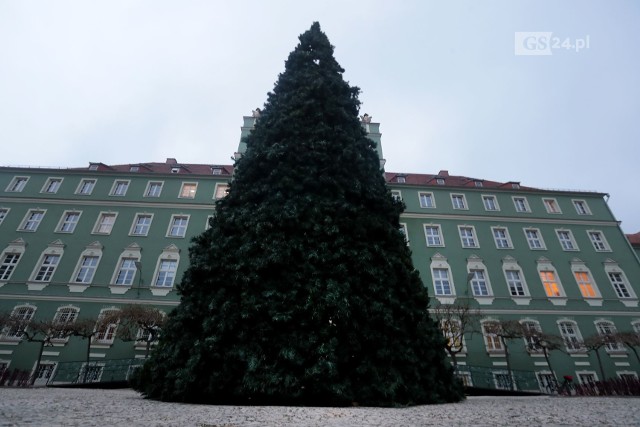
(630, 302)
(160, 291)
(36, 286)
(558, 300)
(119, 289)
(484, 300)
(521, 300)
(77, 288)
(594, 302)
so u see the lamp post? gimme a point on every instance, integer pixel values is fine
(138, 265)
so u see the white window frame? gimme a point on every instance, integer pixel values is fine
(441, 283)
(540, 241)
(509, 264)
(17, 334)
(160, 276)
(134, 225)
(492, 342)
(108, 335)
(599, 242)
(150, 186)
(439, 235)
(468, 241)
(126, 271)
(565, 242)
(17, 247)
(579, 267)
(4, 212)
(29, 220)
(551, 205)
(532, 329)
(525, 208)
(172, 223)
(17, 184)
(220, 191)
(130, 254)
(546, 268)
(64, 222)
(191, 193)
(52, 185)
(582, 377)
(572, 340)
(55, 250)
(605, 328)
(454, 338)
(405, 232)
(82, 184)
(506, 238)
(116, 186)
(581, 206)
(426, 197)
(621, 286)
(66, 314)
(488, 200)
(100, 223)
(459, 201)
(474, 267)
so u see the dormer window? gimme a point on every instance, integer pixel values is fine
(401, 179)
(134, 169)
(515, 185)
(440, 181)
(216, 171)
(93, 167)
(478, 183)
(175, 170)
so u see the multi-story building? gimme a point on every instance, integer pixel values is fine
(80, 242)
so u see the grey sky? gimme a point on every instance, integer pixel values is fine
(139, 81)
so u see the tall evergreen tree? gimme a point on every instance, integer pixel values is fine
(303, 292)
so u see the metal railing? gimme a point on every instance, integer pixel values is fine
(105, 371)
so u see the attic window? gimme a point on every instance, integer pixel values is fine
(478, 183)
(515, 185)
(93, 167)
(401, 179)
(440, 181)
(216, 171)
(134, 169)
(175, 170)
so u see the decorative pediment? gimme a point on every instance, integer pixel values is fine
(57, 244)
(171, 248)
(509, 260)
(96, 246)
(543, 260)
(474, 258)
(438, 257)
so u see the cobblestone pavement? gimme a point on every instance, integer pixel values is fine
(77, 407)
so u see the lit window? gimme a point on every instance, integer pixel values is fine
(571, 335)
(3, 214)
(166, 273)
(468, 238)
(441, 282)
(21, 317)
(458, 201)
(126, 271)
(551, 205)
(153, 189)
(120, 188)
(52, 185)
(566, 240)
(47, 267)
(188, 190)
(87, 269)
(141, 225)
(17, 184)
(534, 238)
(492, 341)
(550, 283)
(32, 220)
(521, 204)
(9, 263)
(178, 226)
(86, 186)
(221, 191)
(585, 284)
(105, 223)
(433, 235)
(426, 200)
(68, 222)
(598, 241)
(452, 331)
(490, 203)
(501, 237)
(581, 207)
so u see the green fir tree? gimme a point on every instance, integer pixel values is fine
(303, 292)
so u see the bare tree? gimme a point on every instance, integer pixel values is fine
(505, 330)
(631, 340)
(456, 320)
(87, 328)
(139, 323)
(540, 342)
(597, 341)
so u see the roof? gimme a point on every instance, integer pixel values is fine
(634, 239)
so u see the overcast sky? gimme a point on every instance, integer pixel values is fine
(139, 81)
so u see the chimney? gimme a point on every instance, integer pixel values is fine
(171, 161)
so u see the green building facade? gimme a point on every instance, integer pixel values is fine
(76, 243)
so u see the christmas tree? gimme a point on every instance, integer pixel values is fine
(303, 292)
